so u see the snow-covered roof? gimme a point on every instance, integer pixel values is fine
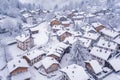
(76, 33)
(101, 53)
(65, 22)
(87, 28)
(38, 64)
(22, 37)
(95, 65)
(78, 17)
(57, 27)
(86, 42)
(109, 32)
(34, 54)
(117, 40)
(34, 28)
(90, 15)
(21, 76)
(96, 24)
(16, 63)
(61, 45)
(115, 63)
(107, 44)
(48, 61)
(70, 39)
(60, 32)
(93, 36)
(75, 72)
(26, 15)
(54, 53)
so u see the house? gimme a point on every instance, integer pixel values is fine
(56, 28)
(34, 56)
(54, 54)
(101, 55)
(18, 69)
(107, 44)
(50, 64)
(98, 26)
(60, 48)
(93, 66)
(87, 28)
(34, 30)
(117, 40)
(25, 42)
(70, 40)
(66, 23)
(62, 34)
(74, 72)
(29, 18)
(115, 64)
(90, 35)
(96, 70)
(54, 22)
(86, 42)
(77, 17)
(109, 33)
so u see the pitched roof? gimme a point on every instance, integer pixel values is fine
(95, 65)
(86, 42)
(101, 53)
(16, 63)
(34, 53)
(115, 63)
(107, 44)
(22, 37)
(93, 36)
(75, 72)
(109, 32)
(48, 61)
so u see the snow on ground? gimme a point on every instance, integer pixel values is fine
(65, 60)
(4, 73)
(13, 51)
(42, 37)
(112, 76)
(2, 59)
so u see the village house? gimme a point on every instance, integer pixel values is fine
(96, 70)
(54, 54)
(87, 28)
(25, 42)
(34, 56)
(98, 26)
(87, 43)
(29, 18)
(117, 40)
(109, 33)
(74, 72)
(66, 23)
(18, 69)
(70, 40)
(115, 64)
(54, 22)
(62, 34)
(101, 55)
(91, 35)
(107, 44)
(50, 64)
(59, 50)
(56, 28)
(93, 67)
(34, 30)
